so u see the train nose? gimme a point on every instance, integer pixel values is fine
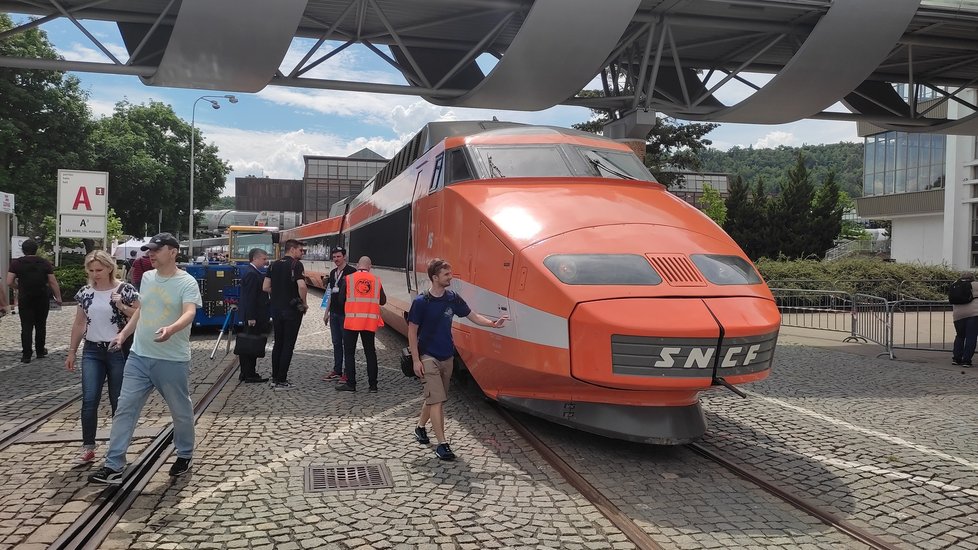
(672, 343)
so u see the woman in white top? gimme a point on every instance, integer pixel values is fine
(105, 305)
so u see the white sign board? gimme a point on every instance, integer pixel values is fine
(92, 227)
(6, 203)
(83, 193)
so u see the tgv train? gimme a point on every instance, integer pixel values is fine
(624, 301)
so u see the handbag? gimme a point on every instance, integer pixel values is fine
(407, 363)
(252, 345)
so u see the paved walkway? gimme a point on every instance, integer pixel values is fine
(889, 444)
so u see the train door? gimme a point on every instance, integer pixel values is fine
(492, 270)
(426, 228)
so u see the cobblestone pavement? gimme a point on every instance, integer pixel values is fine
(887, 444)
(890, 444)
(43, 491)
(247, 490)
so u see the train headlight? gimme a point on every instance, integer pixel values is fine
(726, 270)
(602, 269)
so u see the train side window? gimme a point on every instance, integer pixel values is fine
(437, 179)
(458, 167)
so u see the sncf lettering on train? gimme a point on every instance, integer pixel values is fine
(703, 357)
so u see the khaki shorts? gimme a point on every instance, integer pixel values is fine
(437, 374)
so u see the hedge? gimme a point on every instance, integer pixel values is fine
(875, 277)
(70, 279)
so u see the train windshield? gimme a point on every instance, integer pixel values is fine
(525, 161)
(242, 241)
(615, 164)
(557, 160)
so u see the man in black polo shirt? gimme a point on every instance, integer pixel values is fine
(286, 283)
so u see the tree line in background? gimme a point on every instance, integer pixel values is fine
(844, 159)
(45, 125)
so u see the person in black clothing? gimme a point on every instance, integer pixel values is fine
(253, 307)
(333, 317)
(33, 277)
(286, 283)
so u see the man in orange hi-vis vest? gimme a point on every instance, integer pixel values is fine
(362, 294)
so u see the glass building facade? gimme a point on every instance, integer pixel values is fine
(331, 179)
(898, 162)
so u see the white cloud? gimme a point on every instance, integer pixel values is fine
(775, 139)
(279, 154)
(91, 54)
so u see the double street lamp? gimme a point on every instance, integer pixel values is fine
(212, 99)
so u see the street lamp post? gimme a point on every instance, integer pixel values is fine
(212, 99)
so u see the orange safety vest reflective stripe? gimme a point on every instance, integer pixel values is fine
(362, 308)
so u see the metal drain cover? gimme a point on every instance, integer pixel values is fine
(347, 477)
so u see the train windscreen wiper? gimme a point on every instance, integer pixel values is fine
(599, 165)
(493, 169)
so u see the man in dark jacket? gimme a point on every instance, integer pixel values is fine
(334, 316)
(33, 277)
(253, 309)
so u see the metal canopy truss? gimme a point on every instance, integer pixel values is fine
(894, 63)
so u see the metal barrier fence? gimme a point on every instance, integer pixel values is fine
(894, 324)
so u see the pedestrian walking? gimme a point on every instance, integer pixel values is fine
(33, 277)
(965, 314)
(160, 359)
(285, 281)
(333, 317)
(361, 294)
(105, 306)
(140, 265)
(433, 351)
(253, 307)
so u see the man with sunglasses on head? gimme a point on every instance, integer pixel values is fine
(285, 281)
(334, 315)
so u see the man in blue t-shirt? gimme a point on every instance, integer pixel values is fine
(433, 351)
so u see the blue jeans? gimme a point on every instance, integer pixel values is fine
(336, 333)
(171, 379)
(966, 335)
(98, 363)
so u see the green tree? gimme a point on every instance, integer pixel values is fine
(146, 150)
(739, 212)
(221, 203)
(827, 211)
(713, 205)
(670, 147)
(44, 126)
(791, 213)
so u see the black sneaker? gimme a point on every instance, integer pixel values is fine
(346, 387)
(42, 353)
(180, 466)
(106, 475)
(966, 365)
(373, 389)
(421, 435)
(444, 452)
(955, 362)
(25, 358)
(283, 386)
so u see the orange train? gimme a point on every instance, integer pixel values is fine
(625, 302)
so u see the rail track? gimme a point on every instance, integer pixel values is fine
(640, 538)
(95, 524)
(13, 435)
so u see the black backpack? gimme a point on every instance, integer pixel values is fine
(32, 277)
(960, 292)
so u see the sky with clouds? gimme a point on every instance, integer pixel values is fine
(268, 132)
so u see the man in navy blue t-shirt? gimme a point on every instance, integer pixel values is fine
(432, 348)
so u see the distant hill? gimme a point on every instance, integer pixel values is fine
(772, 164)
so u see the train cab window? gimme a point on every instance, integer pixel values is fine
(526, 161)
(602, 269)
(726, 270)
(606, 163)
(457, 167)
(437, 175)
